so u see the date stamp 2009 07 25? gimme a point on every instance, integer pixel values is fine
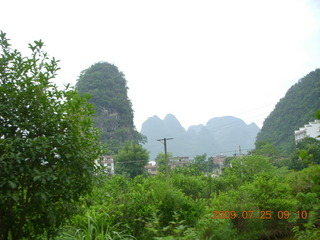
(259, 214)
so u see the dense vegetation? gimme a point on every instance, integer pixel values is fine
(270, 202)
(293, 111)
(107, 87)
(47, 145)
(131, 159)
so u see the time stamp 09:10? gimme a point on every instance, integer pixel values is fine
(259, 214)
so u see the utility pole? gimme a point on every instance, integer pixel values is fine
(165, 154)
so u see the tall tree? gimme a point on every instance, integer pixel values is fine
(131, 159)
(47, 145)
(307, 152)
(114, 115)
(161, 161)
(266, 149)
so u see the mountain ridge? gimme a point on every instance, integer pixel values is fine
(219, 135)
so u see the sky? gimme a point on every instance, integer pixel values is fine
(194, 59)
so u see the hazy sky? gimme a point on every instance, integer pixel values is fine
(194, 59)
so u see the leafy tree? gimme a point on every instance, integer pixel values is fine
(114, 115)
(161, 161)
(244, 169)
(306, 186)
(203, 164)
(200, 161)
(190, 170)
(307, 152)
(266, 149)
(317, 115)
(47, 145)
(131, 159)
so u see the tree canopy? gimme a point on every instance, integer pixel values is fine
(47, 145)
(131, 159)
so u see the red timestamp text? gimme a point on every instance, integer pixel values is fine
(259, 214)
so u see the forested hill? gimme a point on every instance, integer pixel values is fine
(114, 115)
(296, 109)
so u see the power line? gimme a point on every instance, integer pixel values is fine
(130, 161)
(258, 108)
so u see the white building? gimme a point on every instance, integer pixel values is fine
(107, 162)
(309, 130)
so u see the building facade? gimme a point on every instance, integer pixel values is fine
(107, 162)
(152, 169)
(309, 130)
(180, 162)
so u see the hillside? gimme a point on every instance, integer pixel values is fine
(108, 89)
(297, 108)
(220, 135)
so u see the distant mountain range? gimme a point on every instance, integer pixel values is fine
(221, 135)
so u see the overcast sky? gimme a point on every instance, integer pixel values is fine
(194, 59)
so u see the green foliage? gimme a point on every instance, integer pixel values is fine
(307, 152)
(131, 160)
(266, 149)
(254, 184)
(243, 169)
(293, 111)
(195, 186)
(47, 152)
(161, 161)
(183, 208)
(141, 207)
(220, 229)
(190, 170)
(203, 164)
(149, 207)
(306, 180)
(317, 115)
(176, 230)
(94, 230)
(47, 145)
(114, 115)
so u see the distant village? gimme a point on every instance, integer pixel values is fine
(309, 130)
(108, 163)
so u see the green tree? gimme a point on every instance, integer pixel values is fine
(47, 145)
(131, 159)
(317, 115)
(200, 162)
(161, 161)
(203, 164)
(114, 115)
(242, 170)
(266, 149)
(307, 152)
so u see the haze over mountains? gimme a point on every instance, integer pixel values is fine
(221, 135)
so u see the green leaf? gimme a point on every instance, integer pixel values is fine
(12, 184)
